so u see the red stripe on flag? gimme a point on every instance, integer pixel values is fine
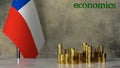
(18, 31)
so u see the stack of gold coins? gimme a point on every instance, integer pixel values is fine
(86, 52)
(83, 56)
(99, 57)
(73, 56)
(100, 52)
(103, 57)
(79, 60)
(62, 59)
(59, 52)
(67, 56)
(89, 55)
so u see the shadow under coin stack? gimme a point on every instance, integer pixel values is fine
(73, 56)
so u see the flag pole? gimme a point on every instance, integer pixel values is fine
(18, 55)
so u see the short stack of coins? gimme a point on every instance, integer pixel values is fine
(67, 56)
(88, 55)
(95, 55)
(79, 60)
(62, 59)
(101, 54)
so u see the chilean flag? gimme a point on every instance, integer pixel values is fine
(24, 29)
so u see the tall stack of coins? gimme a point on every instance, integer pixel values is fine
(60, 49)
(73, 56)
(101, 54)
(103, 57)
(89, 55)
(84, 54)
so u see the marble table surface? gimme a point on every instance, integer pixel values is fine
(52, 63)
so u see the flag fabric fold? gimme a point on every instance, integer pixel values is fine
(24, 29)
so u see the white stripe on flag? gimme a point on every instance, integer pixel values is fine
(30, 15)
